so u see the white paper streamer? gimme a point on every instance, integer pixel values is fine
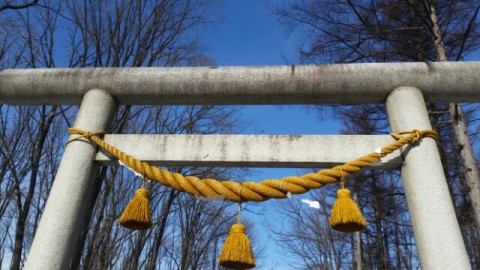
(136, 173)
(312, 204)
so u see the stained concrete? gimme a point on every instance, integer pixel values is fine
(320, 84)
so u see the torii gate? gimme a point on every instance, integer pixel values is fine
(404, 87)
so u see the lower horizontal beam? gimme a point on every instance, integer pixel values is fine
(295, 151)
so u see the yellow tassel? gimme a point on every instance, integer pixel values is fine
(136, 215)
(346, 217)
(237, 251)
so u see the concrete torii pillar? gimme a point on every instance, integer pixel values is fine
(437, 233)
(62, 219)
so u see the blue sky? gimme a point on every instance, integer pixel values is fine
(250, 35)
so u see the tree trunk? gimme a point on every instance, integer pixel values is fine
(470, 169)
(95, 232)
(25, 210)
(137, 250)
(378, 202)
(358, 236)
(396, 232)
(161, 231)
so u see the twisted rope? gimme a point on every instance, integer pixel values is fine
(253, 191)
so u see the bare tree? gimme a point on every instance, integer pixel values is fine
(307, 237)
(382, 199)
(344, 31)
(108, 34)
(38, 134)
(16, 5)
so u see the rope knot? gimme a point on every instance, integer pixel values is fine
(142, 192)
(237, 228)
(343, 192)
(87, 134)
(417, 135)
(83, 134)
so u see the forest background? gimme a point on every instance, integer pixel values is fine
(187, 234)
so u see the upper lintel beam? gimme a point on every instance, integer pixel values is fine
(313, 84)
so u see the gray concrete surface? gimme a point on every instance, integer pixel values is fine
(321, 84)
(439, 241)
(300, 151)
(435, 226)
(60, 226)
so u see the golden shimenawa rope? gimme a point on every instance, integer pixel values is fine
(252, 191)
